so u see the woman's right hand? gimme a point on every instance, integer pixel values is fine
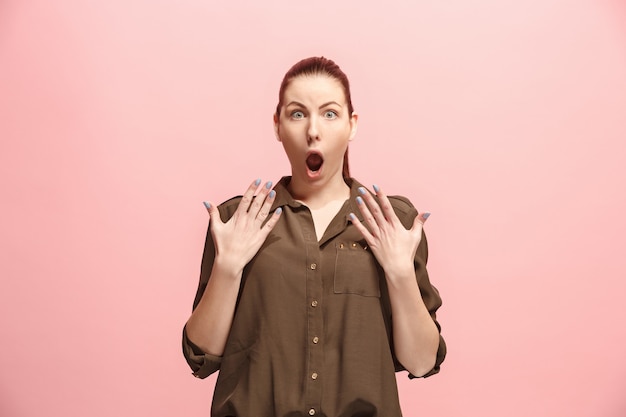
(240, 238)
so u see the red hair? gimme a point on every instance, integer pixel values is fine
(318, 66)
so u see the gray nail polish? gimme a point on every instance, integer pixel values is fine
(426, 215)
(257, 182)
(272, 194)
(207, 205)
(268, 185)
(362, 190)
(279, 210)
(376, 188)
(359, 200)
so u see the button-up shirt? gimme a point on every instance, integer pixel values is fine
(312, 333)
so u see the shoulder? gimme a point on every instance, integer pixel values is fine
(405, 210)
(228, 207)
(402, 205)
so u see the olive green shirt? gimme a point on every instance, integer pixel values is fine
(312, 331)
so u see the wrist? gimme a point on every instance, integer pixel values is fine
(225, 268)
(400, 275)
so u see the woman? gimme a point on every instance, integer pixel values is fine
(298, 284)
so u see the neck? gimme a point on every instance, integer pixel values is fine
(319, 194)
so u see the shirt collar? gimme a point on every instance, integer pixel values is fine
(284, 197)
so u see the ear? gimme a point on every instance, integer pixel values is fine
(353, 122)
(276, 133)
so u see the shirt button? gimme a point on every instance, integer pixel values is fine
(354, 245)
(314, 375)
(313, 266)
(312, 412)
(316, 339)
(314, 303)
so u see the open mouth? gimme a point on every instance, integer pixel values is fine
(314, 161)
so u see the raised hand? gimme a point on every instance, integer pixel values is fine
(393, 245)
(241, 237)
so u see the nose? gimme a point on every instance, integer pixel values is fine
(313, 133)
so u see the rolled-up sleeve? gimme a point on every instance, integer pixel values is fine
(202, 364)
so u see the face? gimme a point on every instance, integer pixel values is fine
(315, 127)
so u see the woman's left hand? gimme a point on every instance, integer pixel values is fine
(393, 244)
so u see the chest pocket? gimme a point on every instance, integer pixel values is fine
(356, 270)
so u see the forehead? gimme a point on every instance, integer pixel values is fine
(314, 88)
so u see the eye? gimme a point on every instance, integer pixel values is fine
(297, 114)
(330, 114)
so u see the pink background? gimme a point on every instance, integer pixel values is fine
(505, 119)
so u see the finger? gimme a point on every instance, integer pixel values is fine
(214, 214)
(267, 205)
(361, 228)
(387, 209)
(373, 207)
(269, 225)
(419, 221)
(368, 217)
(247, 197)
(260, 199)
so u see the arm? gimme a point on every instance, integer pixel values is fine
(209, 324)
(415, 335)
(236, 242)
(417, 343)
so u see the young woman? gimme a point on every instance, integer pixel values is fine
(314, 292)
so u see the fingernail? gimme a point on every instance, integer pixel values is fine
(376, 188)
(257, 182)
(362, 190)
(359, 200)
(279, 210)
(426, 215)
(207, 205)
(268, 185)
(352, 216)
(272, 194)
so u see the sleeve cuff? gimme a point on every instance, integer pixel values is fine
(202, 364)
(441, 355)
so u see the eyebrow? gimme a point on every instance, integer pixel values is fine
(321, 107)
